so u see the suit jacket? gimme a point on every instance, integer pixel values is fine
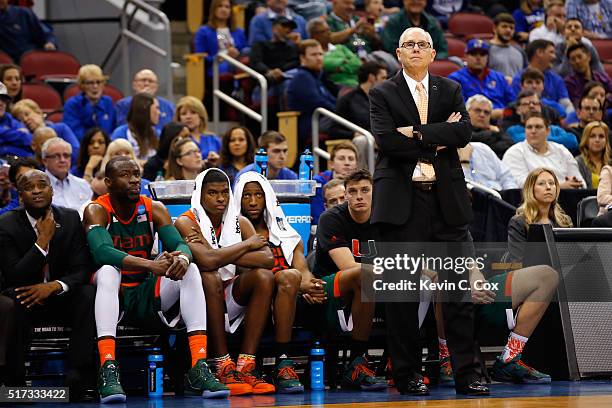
(392, 106)
(21, 262)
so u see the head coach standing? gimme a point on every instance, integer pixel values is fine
(419, 120)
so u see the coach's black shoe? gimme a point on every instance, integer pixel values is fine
(473, 389)
(413, 387)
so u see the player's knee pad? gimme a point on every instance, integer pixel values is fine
(108, 277)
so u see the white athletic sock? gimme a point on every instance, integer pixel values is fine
(108, 282)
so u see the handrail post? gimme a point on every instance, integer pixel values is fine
(336, 118)
(125, 48)
(315, 139)
(126, 34)
(218, 94)
(216, 87)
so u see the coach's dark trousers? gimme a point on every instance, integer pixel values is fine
(427, 225)
(74, 309)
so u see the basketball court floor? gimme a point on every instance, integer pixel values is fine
(588, 394)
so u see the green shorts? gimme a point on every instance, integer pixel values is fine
(141, 305)
(337, 314)
(494, 314)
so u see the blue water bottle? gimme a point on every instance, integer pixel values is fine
(261, 162)
(317, 376)
(155, 375)
(306, 165)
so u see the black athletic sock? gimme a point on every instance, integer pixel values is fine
(358, 348)
(283, 351)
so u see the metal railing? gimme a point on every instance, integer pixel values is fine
(472, 184)
(127, 35)
(317, 151)
(218, 94)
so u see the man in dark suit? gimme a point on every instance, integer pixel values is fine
(45, 265)
(419, 121)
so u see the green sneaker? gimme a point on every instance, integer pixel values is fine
(359, 376)
(286, 379)
(446, 372)
(199, 381)
(516, 371)
(109, 385)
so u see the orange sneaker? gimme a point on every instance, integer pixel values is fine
(254, 378)
(233, 379)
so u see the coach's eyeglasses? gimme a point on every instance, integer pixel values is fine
(423, 45)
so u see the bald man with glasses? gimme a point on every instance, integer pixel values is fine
(419, 120)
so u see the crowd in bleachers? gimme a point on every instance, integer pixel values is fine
(535, 77)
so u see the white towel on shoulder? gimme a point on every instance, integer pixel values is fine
(230, 225)
(281, 233)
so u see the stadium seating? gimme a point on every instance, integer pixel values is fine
(608, 69)
(5, 58)
(44, 95)
(109, 90)
(55, 117)
(443, 68)
(604, 49)
(456, 47)
(587, 211)
(465, 24)
(41, 65)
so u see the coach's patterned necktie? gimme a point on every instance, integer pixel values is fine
(427, 169)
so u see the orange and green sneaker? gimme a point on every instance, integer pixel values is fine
(359, 376)
(286, 379)
(233, 379)
(515, 371)
(255, 379)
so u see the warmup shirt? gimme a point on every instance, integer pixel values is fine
(337, 229)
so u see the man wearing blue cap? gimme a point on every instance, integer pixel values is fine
(478, 78)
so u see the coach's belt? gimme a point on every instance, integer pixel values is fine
(424, 185)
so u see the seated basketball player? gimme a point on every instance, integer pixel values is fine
(257, 202)
(344, 236)
(154, 294)
(527, 292)
(235, 265)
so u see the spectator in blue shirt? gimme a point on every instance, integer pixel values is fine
(90, 108)
(260, 28)
(529, 102)
(15, 139)
(478, 79)
(541, 55)
(140, 128)
(21, 31)
(306, 90)
(146, 81)
(482, 166)
(528, 16)
(18, 167)
(343, 161)
(276, 146)
(219, 35)
(29, 113)
(533, 80)
(191, 112)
